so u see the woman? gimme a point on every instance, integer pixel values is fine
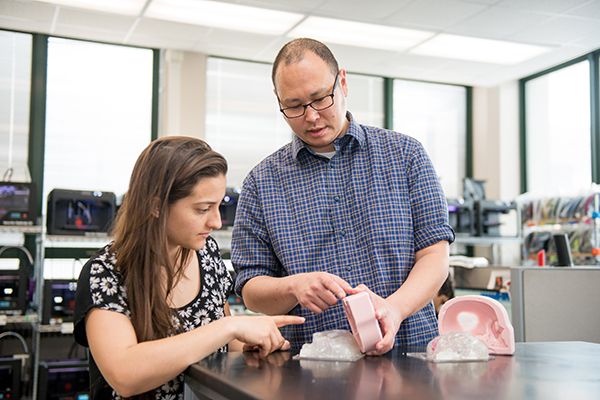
(154, 300)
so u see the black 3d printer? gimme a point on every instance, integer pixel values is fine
(228, 206)
(18, 203)
(59, 301)
(15, 284)
(79, 212)
(473, 215)
(64, 379)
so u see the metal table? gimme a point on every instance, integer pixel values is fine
(545, 370)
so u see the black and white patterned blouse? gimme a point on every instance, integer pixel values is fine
(100, 286)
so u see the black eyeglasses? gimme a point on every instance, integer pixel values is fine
(318, 105)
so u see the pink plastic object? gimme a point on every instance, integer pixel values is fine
(481, 316)
(361, 315)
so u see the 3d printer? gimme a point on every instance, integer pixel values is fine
(487, 216)
(461, 216)
(473, 215)
(18, 203)
(79, 212)
(15, 284)
(228, 207)
(10, 378)
(64, 379)
(59, 301)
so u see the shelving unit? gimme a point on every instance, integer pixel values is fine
(493, 241)
(578, 217)
(14, 236)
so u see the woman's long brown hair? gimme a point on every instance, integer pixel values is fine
(166, 171)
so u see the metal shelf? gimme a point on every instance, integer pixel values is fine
(88, 241)
(21, 229)
(488, 240)
(492, 241)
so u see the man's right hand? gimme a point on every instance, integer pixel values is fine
(317, 291)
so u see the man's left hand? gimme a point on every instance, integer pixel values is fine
(389, 320)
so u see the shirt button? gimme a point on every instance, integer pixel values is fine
(331, 164)
(343, 233)
(336, 198)
(348, 268)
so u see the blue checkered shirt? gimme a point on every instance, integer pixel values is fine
(361, 215)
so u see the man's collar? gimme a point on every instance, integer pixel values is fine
(354, 130)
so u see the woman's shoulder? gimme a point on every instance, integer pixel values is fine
(102, 263)
(102, 278)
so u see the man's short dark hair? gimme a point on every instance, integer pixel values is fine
(447, 288)
(293, 52)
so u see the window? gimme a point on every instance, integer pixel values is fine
(365, 99)
(558, 131)
(15, 88)
(243, 121)
(98, 115)
(435, 114)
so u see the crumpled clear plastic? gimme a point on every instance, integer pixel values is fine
(333, 345)
(456, 346)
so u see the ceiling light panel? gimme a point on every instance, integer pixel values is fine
(477, 49)
(223, 15)
(123, 7)
(359, 34)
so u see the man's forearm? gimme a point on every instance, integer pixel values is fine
(268, 295)
(425, 279)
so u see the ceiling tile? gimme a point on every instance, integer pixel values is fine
(283, 5)
(348, 59)
(549, 6)
(497, 23)
(158, 42)
(413, 61)
(591, 42)
(269, 52)
(170, 30)
(590, 10)
(94, 34)
(435, 14)
(558, 31)
(90, 20)
(20, 24)
(488, 2)
(472, 68)
(442, 76)
(361, 9)
(225, 43)
(27, 10)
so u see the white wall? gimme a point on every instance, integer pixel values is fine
(496, 140)
(182, 93)
(496, 157)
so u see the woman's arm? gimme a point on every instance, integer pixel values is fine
(234, 345)
(132, 368)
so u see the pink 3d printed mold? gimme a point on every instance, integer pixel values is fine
(364, 324)
(481, 316)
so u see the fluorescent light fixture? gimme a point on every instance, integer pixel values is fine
(223, 15)
(123, 7)
(476, 49)
(359, 34)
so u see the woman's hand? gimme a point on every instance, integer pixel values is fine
(261, 333)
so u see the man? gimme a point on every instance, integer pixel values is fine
(342, 208)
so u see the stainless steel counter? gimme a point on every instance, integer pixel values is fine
(550, 370)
